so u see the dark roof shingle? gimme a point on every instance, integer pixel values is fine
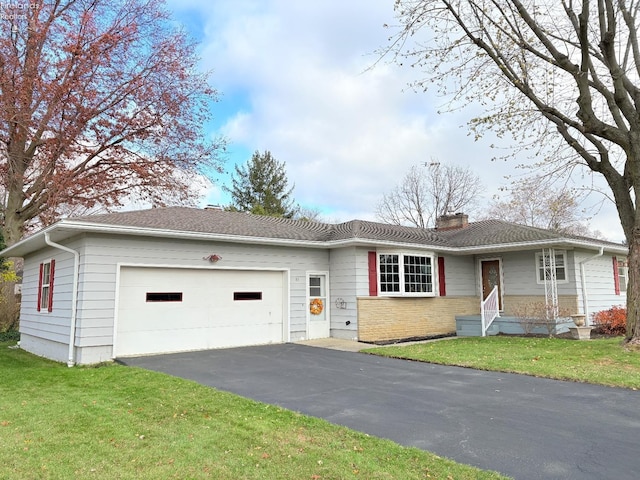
(210, 221)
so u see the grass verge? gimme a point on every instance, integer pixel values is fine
(126, 423)
(601, 361)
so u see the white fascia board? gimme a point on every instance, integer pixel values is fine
(29, 244)
(560, 243)
(503, 247)
(158, 232)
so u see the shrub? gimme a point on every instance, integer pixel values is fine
(538, 314)
(612, 321)
(9, 308)
(10, 336)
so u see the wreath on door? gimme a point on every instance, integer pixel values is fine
(316, 306)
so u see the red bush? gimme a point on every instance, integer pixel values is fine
(612, 321)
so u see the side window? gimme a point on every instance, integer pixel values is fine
(623, 274)
(45, 286)
(560, 262)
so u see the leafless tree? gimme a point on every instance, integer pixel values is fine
(535, 202)
(428, 192)
(561, 75)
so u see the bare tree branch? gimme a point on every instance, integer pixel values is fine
(563, 76)
(428, 192)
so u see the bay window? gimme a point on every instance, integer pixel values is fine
(403, 274)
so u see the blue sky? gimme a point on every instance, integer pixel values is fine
(294, 79)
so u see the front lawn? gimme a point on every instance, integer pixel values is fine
(120, 422)
(601, 361)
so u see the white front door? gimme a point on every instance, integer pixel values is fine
(318, 311)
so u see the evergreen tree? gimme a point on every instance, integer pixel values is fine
(261, 187)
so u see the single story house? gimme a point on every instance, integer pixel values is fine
(177, 279)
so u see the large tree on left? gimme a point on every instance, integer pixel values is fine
(100, 100)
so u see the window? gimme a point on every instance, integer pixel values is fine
(316, 287)
(418, 277)
(623, 274)
(164, 296)
(406, 274)
(247, 295)
(389, 273)
(45, 286)
(560, 258)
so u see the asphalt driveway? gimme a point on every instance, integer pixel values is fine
(524, 427)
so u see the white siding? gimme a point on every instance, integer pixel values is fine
(362, 272)
(343, 264)
(520, 274)
(460, 276)
(600, 283)
(48, 332)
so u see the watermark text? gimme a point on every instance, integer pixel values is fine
(15, 10)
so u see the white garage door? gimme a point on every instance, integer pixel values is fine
(170, 310)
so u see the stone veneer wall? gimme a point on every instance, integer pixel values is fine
(568, 304)
(392, 318)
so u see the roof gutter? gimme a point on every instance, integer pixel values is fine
(583, 278)
(74, 295)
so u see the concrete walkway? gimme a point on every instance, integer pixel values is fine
(336, 344)
(355, 346)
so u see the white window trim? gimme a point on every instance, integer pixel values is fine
(566, 267)
(401, 254)
(623, 273)
(45, 300)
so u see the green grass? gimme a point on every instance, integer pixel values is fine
(601, 361)
(119, 422)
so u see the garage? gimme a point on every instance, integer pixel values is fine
(164, 310)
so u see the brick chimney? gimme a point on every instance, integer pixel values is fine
(451, 222)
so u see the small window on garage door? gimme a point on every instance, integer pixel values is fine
(247, 295)
(164, 296)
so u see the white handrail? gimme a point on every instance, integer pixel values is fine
(489, 310)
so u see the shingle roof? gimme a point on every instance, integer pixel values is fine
(209, 221)
(498, 232)
(183, 219)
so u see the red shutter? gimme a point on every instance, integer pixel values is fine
(40, 287)
(52, 270)
(373, 274)
(441, 279)
(616, 276)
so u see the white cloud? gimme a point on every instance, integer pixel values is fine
(297, 72)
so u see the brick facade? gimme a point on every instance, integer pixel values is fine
(513, 304)
(389, 318)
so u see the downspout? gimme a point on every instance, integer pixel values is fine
(585, 305)
(74, 295)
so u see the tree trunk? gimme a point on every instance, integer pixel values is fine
(633, 290)
(13, 228)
